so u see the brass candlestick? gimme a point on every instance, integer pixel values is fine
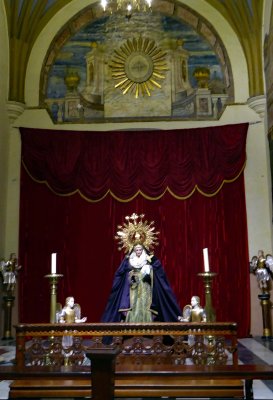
(210, 312)
(53, 280)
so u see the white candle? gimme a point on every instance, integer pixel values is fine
(206, 259)
(53, 263)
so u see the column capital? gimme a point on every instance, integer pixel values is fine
(258, 104)
(14, 110)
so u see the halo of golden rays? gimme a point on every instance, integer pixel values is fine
(138, 66)
(136, 231)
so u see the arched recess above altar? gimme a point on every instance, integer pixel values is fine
(103, 69)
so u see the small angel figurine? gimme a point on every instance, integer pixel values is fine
(71, 312)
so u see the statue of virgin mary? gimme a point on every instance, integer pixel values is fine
(141, 291)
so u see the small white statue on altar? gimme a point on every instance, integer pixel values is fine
(193, 312)
(71, 312)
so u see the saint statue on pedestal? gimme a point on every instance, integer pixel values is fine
(9, 270)
(262, 267)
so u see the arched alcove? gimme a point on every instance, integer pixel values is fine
(168, 64)
(219, 24)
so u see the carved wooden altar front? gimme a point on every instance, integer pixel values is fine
(151, 343)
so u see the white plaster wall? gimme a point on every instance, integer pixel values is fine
(258, 202)
(267, 16)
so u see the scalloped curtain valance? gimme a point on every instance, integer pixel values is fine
(126, 163)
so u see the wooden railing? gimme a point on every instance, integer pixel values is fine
(156, 343)
(130, 360)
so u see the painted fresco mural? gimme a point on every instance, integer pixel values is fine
(151, 67)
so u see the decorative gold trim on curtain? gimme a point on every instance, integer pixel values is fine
(139, 192)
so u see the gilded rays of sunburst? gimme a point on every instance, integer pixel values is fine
(138, 66)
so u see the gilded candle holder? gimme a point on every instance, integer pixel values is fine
(53, 281)
(210, 311)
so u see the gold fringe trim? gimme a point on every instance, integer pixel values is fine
(139, 192)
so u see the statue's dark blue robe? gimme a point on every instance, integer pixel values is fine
(164, 304)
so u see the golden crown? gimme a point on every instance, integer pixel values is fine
(136, 231)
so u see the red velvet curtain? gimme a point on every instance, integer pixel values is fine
(190, 182)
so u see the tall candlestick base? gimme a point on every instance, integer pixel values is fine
(8, 299)
(266, 310)
(53, 280)
(209, 310)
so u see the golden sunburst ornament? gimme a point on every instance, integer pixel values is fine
(136, 231)
(138, 65)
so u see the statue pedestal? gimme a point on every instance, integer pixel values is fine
(8, 299)
(266, 306)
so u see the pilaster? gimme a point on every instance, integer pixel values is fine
(13, 148)
(14, 110)
(258, 104)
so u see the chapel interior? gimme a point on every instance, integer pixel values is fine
(69, 67)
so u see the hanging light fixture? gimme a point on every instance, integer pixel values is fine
(128, 7)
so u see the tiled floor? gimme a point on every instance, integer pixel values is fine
(257, 351)
(251, 351)
(7, 356)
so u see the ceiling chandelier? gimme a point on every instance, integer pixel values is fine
(128, 7)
